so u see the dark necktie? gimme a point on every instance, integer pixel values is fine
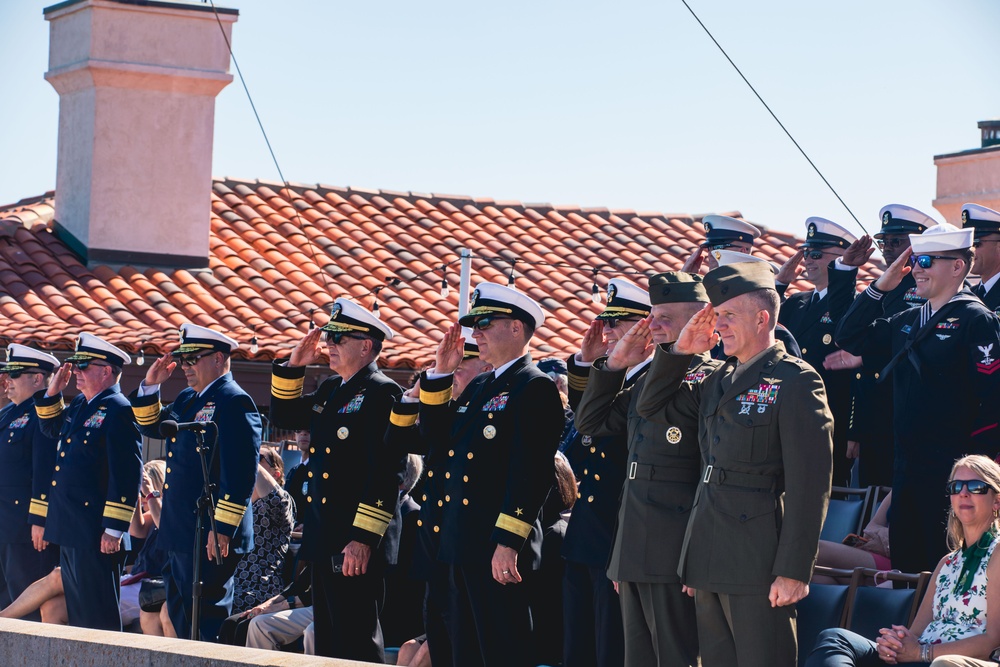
(815, 299)
(980, 290)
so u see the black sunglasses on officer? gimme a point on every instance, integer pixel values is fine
(337, 337)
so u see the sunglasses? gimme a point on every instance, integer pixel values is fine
(975, 486)
(84, 365)
(336, 337)
(891, 243)
(13, 375)
(484, 323)
(813, 254)
(613, 322)
(191, 360)
(925, 261)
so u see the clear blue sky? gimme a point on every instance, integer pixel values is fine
(625, 104)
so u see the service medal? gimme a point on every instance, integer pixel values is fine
(827, 339)
(673, 435)
(490, 432)
(342, 433)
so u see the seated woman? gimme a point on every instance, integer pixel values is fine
(952, 616)
(258, 576)
(46, 595)
(870, 550)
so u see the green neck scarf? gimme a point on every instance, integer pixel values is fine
(972, 557)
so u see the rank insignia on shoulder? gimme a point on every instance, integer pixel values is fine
(497, 403)
(988, 365)
(490, 432)
(353, 405)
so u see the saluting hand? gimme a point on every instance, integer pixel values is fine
(308, 349)
(633, 348)
(894, 275)
(594, 344)
(859, 252)
(160, 370)
(60, 380)
(450, 350)
(693, 263)
(789, 271)
(698, 335)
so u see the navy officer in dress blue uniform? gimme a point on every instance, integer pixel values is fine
(986, 223)
(721, 233)
(499, 438)
(812, 317)
(351, 523)
(945, 372)
(870, 431)
(27, 457)
(211, 396)
(592, 613)
(95, 480)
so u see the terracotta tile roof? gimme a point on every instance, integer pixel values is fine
(279, 254)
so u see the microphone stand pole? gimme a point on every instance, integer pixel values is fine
(206, 504)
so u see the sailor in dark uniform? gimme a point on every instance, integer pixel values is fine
(95, 480)
(812, 317)
(946, 385)
(592, 617)
(501, 435)
(351, 524)
(661, 475)
(440, 611)
(871, 421)
(27, 458)
(211, 396)
(986, 223)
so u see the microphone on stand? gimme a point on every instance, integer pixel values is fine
(169, 428)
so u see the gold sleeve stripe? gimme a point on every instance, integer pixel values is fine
(435, 397)
(512, 525)
(287, 388)
(117, 514)
(231, 507)
(374, 511)
(371, 525)
(120, 506)
(402, 420)
(227, 517)
(147, 415)
(50, 411)
(578, 382)
(39, 508)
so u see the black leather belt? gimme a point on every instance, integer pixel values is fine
(719, 476)
(662, 473)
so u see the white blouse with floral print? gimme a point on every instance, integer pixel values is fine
(958, 616)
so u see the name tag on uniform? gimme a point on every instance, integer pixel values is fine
(95, 420)
(497, 403)
(353, 405)
(206, 413)
(20, 422)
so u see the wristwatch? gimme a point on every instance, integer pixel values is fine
(291, 601)
(153, 494)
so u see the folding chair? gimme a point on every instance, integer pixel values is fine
(870, 608)
(846, 513)
(824, 607)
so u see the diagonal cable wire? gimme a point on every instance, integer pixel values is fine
(774, 116)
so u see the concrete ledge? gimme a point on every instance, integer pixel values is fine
(41, 645)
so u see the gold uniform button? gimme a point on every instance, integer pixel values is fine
(166, 486)
(168, 470)
(419, 522)
(173, 439)
(309, 499)
(876, 375)
(423, 497)
(326, 475)
(451, 452)
(858, 376)
(86, 504)
(309, 474)
(602, 455)
(469, 455)
(447, 475)
(324, 501)
(593, 450)
(312, 450)
(53, 482)
(437, 529)
(69, 440)
(590, 499)
(578, 495)
(440, 504)
(584, 471)
(170, 454)
(804, 350)
(327, 450)
(597, 478)
(430, 473)
(62, 453)
(465, 501)
(465, 478)
(57, 468)
(85, 441)
(447, 499)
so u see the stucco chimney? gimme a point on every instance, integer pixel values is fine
(137, 81)
(970, 176)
